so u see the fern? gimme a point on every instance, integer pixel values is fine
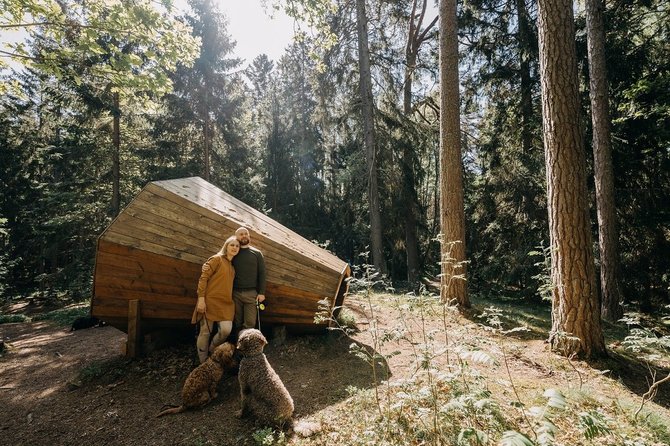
(544, 428)
(514, 438)
(545, 285)
(593, 424)
(556, 399)
(478, 357)
(470, 434)
(644, 340)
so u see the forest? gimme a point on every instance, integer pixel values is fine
(343, 138)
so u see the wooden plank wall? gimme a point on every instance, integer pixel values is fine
(165, 285)
(167, 288)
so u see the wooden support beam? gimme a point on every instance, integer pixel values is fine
(133, 345)
(340, 293)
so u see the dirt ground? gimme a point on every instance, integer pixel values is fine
(60, 387)
(48, 400)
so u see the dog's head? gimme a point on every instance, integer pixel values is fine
(223, 354)
(251, 341)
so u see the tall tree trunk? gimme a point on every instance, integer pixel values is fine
(415, 37)
(575, 311)
(408, 191)
(602, 156)
(207, 137)
(452, 213)
(369, 137)
(408, 188)
(410, 201)
(116, 154)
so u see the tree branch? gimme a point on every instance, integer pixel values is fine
(651, 393)
(423, 37)
(12, 55)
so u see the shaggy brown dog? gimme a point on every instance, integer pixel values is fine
(263, 393)
(200, 385)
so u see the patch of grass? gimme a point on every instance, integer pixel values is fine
(268, 436)
(534, 316)
(12, 318)
(199, 441)
(347, 320)
(657, 425)
(91, 372)
(104, 372)
(63, 316)
(453, 402)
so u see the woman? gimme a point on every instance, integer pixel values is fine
(215, 298)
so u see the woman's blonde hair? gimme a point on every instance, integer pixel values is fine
(224, 248)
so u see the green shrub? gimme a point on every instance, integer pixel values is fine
(11, 318)
(105, 372)
(347, 320)
(267, 437)
(63, 316)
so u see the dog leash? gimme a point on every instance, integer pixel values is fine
(202, 315)
(258, 313)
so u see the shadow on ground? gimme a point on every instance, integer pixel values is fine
(533, 317)
(61, 387)
(635, 374)
(536, 317)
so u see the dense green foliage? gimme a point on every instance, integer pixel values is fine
(640, 84)
(286, 138)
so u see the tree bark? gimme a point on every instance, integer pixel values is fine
(415, 37)
(576, 325)
(409, 198)
(116, 154)
(369, 137)
(452, 214)
(602, 162)
(207, 136)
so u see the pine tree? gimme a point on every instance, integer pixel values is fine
(602, 154)
(452, 214)
(576, 325)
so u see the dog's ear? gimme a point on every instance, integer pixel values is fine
(261, 337)
(220, 353)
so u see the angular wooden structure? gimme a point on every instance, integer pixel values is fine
(151, 255)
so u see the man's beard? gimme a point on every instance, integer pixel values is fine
(244, 242)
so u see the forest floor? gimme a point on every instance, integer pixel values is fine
(61, 387)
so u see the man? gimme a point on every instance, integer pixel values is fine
(249, 283)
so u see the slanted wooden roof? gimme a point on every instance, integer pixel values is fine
(153, 251)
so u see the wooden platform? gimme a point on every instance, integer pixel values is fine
(153, 252)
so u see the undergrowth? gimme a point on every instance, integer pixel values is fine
(62, 316)
(104, 372)
(13, 318)
(448, 400)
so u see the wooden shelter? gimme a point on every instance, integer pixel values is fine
(148, 260)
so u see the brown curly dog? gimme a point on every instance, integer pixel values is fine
(200, 385)
(263, 393)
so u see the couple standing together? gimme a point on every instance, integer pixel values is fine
(231, 284)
